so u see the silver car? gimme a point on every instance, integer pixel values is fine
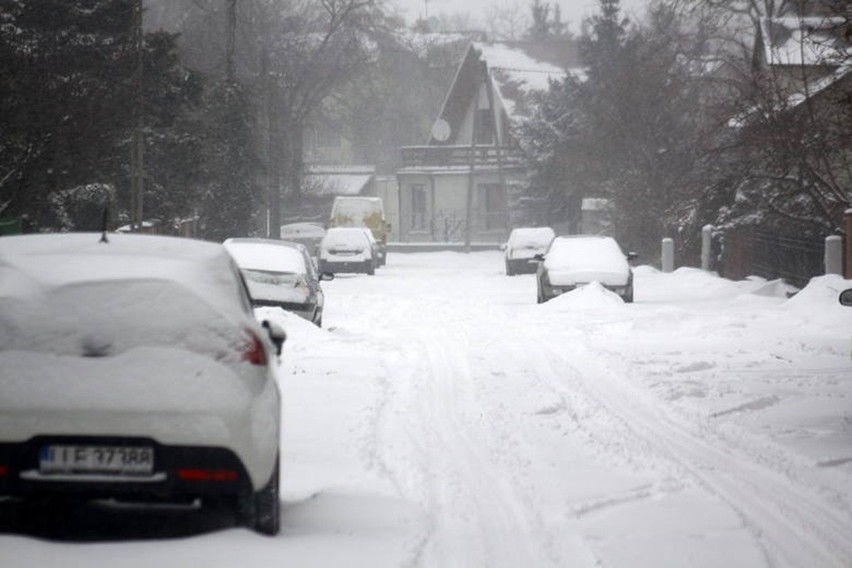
(134, 369)
(280, 274)
(573, 261)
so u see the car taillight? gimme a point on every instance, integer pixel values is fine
(252, 350)
(4, 469)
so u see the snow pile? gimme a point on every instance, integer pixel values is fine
(818, 301)
(590, 297)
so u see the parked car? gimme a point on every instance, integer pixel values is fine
(280, 274)
(374, 247)
(523, 244)
(308, 234)
(346, 249)
(134, 370)
(360, 211)
(580, 259)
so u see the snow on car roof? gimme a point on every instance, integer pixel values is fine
(531, 235)
(32, 264)
(274, 257)
(302, 229)
(345, 235)
(581, 252)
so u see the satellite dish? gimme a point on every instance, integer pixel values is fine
(441, 130)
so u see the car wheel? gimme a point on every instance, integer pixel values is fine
(539, 296)
(509, 269)
(261, 511)
(371, 269)
(628, 295)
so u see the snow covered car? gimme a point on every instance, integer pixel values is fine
(576, 260)
(280, 274)
(134, 369)
(306, 233)
(346, 249)
(523, 244)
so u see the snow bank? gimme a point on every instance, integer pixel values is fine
(819, 301)
(591, 297)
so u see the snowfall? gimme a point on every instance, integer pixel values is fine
(442, 418)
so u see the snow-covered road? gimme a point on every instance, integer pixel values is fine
(443, 419)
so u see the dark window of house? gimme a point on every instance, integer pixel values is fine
(492, 200)
(418, 207)
(484, 127)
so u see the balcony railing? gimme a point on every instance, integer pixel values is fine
(444, 156)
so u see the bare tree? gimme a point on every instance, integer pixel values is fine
(308, 49)
(508, 21)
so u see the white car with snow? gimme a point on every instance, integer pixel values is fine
(280, 274)
(573, 261)
(132, 368)
(346, 249)
(523, 244)
(306, 233)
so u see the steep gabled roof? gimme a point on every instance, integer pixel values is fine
(514, 68)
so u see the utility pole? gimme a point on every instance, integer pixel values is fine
(137, 166)
(471, 178)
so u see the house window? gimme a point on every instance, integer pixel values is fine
(484, 126)
(419, 204)
(492, 206)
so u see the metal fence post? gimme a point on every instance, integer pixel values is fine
(834, 255)
(706, 247)
(668, 255)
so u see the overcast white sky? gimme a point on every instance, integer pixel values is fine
(572, 10)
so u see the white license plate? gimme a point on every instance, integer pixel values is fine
(137, 460)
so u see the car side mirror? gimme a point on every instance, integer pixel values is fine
(276, 334)
(632, 255)
(326, 276)
(539, 257)
(846, 297)
(503, 247)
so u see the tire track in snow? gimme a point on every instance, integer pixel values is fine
(478, 516)
(793, 523)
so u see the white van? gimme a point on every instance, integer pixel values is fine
(366, 212)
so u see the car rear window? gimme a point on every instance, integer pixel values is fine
(348, 238)
(267, 258)
(109, 317)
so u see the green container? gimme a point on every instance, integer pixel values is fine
(10, 227)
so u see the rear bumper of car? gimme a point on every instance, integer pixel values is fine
(173, 397)
(179, 472)
(345, 265)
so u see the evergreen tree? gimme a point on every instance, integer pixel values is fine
(66, 103)
(230, 197)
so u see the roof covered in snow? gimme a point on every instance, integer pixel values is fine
(326, 181)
